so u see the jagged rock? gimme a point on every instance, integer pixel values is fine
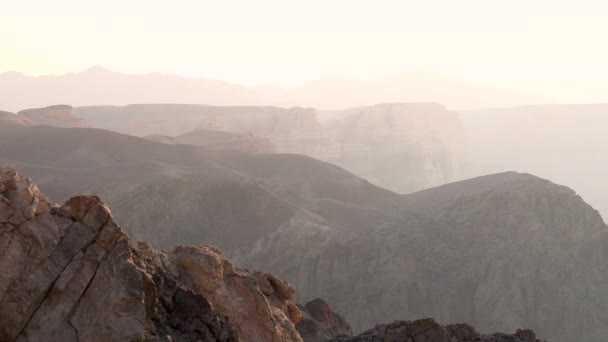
(320, 324)
(69, 273)
(427, 330)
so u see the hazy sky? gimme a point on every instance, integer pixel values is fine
(511, 43)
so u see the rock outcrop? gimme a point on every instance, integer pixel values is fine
(220, 141)
(12, 118)
(69, 273)
(427, 330)
(57, 115)
(320, 324)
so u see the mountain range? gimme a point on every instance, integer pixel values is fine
(69, 273)
(494, 251)
(99, 86)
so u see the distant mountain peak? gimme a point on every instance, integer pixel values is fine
(96, 69)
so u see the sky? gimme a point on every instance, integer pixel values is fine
(548, 46)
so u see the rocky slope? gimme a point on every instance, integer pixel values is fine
(495, 251)
(69, 273)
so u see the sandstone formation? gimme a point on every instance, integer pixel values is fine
(57, 115)
(427, 330)
(69, 273)
(320, 324)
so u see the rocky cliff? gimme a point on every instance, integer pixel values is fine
(69, 273)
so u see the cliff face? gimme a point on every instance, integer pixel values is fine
(69, 273)
(402, 147)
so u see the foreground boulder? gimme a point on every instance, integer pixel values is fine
(69, 273)
(427, 330)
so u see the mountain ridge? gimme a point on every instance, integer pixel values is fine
(119, 89)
